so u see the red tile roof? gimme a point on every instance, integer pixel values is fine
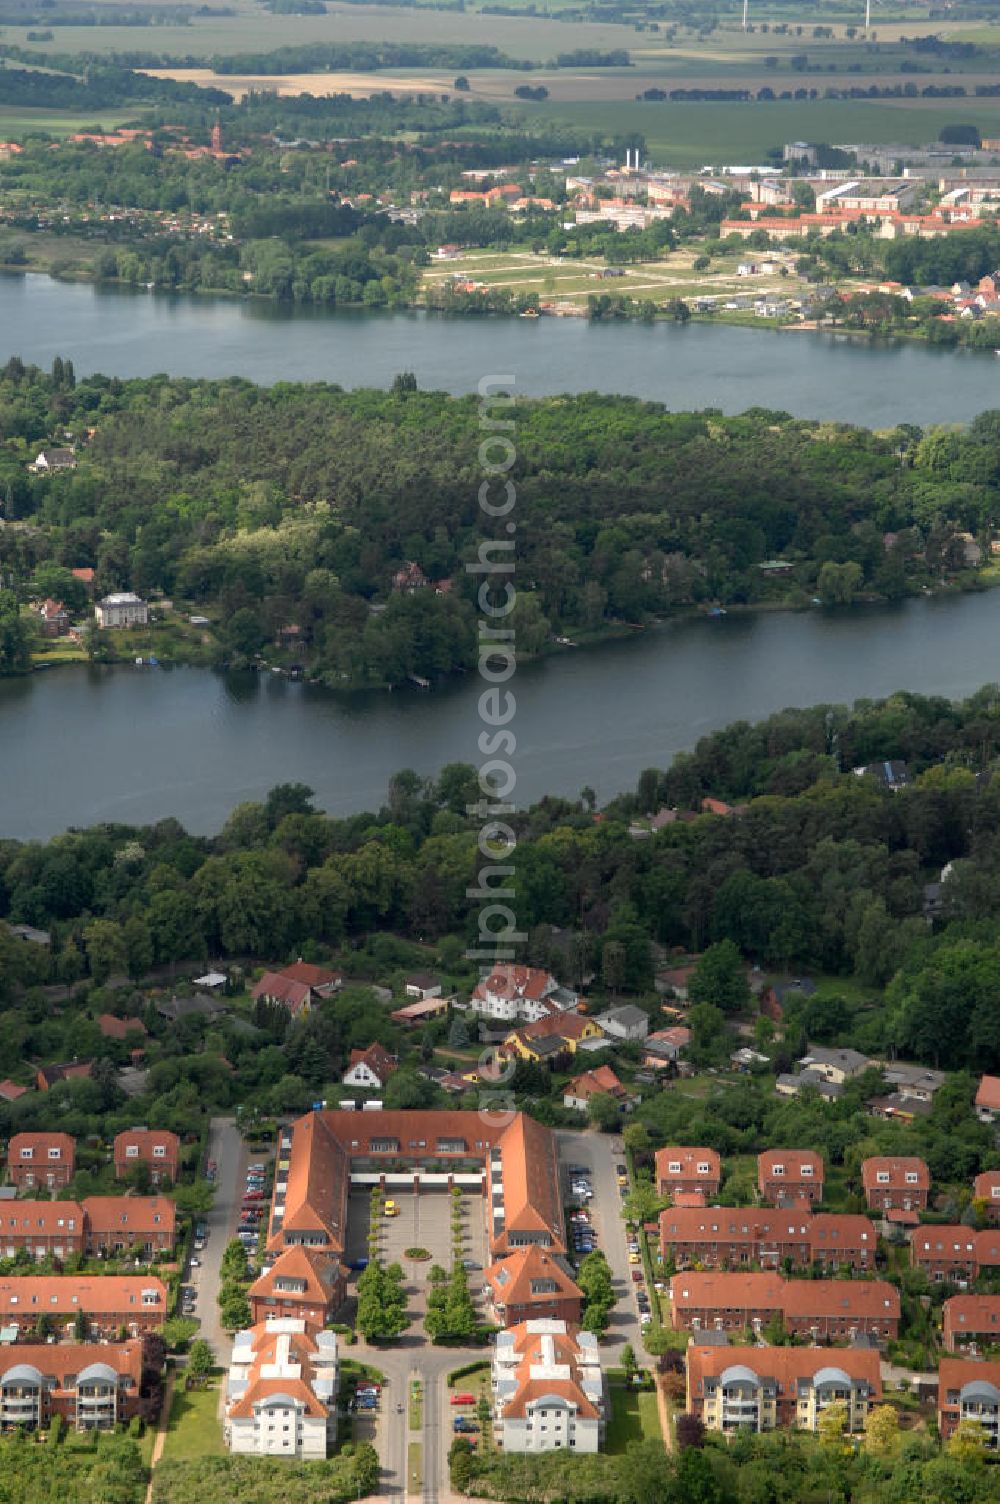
(30, 1296)
(898, 1167)
(798, 1299)
(511, 1279)
(986, 1187)
(47, 1218)
(119, 1028)
(65, 1361)
(282, 989)
(40, 1144)
(601, 1081)
(311, 976)
(785, 1364)
(793, 1161)
(988, 1094)
(138, 1215)
(689, 1159)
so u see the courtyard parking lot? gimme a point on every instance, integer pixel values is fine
(424, 1221)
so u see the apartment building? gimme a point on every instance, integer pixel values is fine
(304, 1284)
(683, 1171)
(514, 1165)
(767, 1388)
(548, 1389)
(969, 1390)
(281, 1393)
(92, 1387)
(743, 1235)
(970, 1318)
(825, 1310)
(790, 1176)
(895, 1183)
(531, 1283)
(109, 1303)
(155, 1147)
(41, 1159)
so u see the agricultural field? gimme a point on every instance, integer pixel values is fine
(691, 135)
(19, 122)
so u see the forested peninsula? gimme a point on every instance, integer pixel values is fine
(330, 530)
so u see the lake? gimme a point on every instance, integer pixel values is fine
(84, 745)
(810, 374)
(81, 745)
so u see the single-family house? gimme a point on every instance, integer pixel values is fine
(600, 1081)
(370, 1068)
(626, 1023)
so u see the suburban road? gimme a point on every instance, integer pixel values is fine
(597, 1152)
(226, 1147)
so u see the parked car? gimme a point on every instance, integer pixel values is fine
(390, 1209)
(637, 1276)
(463, 1399)
(358, 1264)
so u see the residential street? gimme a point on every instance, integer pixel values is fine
(597, 1152)
(226, 1147)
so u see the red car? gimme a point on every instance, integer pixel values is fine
(463, 1399)
(637, 1276)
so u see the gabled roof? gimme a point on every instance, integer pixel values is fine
(30, 1296)
(317, 1271)
(146, 1140)
(283, 989)
(377, 1058)
(40, 1144)
(311, 976)
(513, 982)
(46, 1218)
(689, 1159)
(66, 1362)
(897, 1167)
(119, 1028)
(130, 1214)
(785, 1365)
(601, 1081)
(793, 1161)
(988, 1094)
(511, 1279)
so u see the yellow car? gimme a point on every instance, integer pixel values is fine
(391, 1209)
(623, 1180)
(634, 1258)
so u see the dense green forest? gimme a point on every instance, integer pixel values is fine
(296, 506)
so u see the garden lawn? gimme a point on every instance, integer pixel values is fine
(634, 1417)
(194, 1429)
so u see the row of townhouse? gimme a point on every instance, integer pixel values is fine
(91, 1386)
(723, 1237)
(96, 1226)
(49, 1159)
(954, 1253)
(108, 1303)
(825, 1310)
(792, 1177)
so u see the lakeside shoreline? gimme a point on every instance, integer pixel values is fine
(736, 319)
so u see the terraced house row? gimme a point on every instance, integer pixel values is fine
(825, 1310)
(720, 1237)
(896, 1186)
(107, 1305)
(97, 1226)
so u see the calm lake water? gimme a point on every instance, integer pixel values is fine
(84, 745)
(81, 745)
(809, 374)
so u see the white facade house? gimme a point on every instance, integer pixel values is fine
(548, 1388)
(521, 993)
(281, 1398)
(124, 609)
